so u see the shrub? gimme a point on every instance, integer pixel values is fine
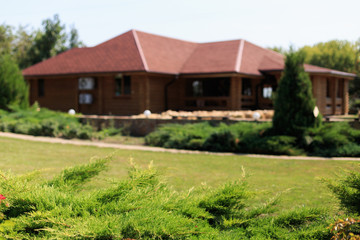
(347, 190)
(222, 141)
(278, 145)
(141, 207)
(335, 140)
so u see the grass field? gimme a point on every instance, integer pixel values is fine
(297, 179)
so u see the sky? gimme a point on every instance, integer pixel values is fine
(267, 23)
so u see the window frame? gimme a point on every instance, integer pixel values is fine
(122, 79)
(41, 88)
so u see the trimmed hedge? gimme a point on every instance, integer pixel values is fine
(329, 140)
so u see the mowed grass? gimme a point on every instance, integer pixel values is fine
(297, 180)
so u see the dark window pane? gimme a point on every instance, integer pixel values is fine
(118, 86)
(328, 91)
(41, 88)
(208, 87)
(216, 87)
(340, 89)
(246, 87)
(127, 85)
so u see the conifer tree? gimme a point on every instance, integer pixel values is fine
(13, 88)
(294, 104)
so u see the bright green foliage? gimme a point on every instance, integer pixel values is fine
(43, 122)
(75, 176)
(143, 207)
(13, 88)
(294, 103)
(6, 38)
(347, 190)
(336, 54)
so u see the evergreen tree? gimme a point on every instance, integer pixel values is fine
(294, 103)
(13, 88)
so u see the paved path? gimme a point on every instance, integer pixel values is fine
(156, 149)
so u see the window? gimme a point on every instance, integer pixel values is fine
(246, 87)
(328, 90)
(340, 88)
(122, 85)
(267, 91)
(41, 88)
(208, 87)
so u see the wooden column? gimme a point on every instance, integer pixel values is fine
(234, 98)
(345, 102)
(100, 96)
(333, 94)
(76, 90)
(147, 93)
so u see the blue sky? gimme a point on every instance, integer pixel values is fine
(264, 22)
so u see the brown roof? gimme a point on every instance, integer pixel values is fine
(140, 51)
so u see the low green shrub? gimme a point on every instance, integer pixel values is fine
(347, 190)
(335, 140)
(222, 141)
(142, 206)
(329, 140)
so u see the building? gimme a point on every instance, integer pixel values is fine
(136, 71)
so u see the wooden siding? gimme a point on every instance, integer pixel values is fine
(59, 93)
(148, 92)
(157, 92)
(126, 104)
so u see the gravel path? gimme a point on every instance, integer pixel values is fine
(156, 149)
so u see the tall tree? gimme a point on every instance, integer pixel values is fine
(294, 103)
(13, 88)
(74, 41)
(21, 46)
(335, 54)
(6, 39)
(48, 43)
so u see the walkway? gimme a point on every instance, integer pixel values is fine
(157, 149)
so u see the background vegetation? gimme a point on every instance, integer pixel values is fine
(330, 140)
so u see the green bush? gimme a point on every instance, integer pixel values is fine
(277, 145)
(347, 190)
(142, 206)
(222, 141)
(43, 122)
(335, 140)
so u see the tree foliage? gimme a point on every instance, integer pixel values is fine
(13, 88)
(28, 47)
(294, 103)
(341, 55)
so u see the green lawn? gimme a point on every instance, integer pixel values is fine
(298, 179)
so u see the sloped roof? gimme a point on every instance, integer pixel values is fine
(136, 51)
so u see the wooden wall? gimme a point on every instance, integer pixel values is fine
(157, 92)
(59, 93)
(332, 105)
(148, 92)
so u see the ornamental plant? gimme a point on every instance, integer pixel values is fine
(294, 103)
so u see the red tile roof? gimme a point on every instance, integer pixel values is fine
(140, 51)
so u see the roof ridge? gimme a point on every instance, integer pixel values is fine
(267, 49)
(138, 45)
(239, 55)
(187, 59)
(159, 35)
